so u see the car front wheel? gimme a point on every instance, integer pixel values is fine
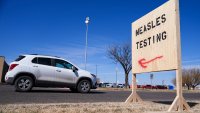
(23, 84)
(84, 86)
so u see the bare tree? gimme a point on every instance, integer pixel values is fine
(190, 78)
(121, 54)
(195, 73)
(186, 78)
(174, 81)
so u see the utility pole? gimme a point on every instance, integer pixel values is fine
(116, 69)
(163, 82)
(96, 70)
(151, 77)
(86, 40)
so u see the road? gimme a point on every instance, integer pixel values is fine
(63, 95)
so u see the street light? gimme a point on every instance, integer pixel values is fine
(86, 39)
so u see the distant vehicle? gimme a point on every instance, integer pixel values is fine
(114, 85)
(109, 85)
(138, 86)
(34, 70)
(100, 84)
(148, 87)
(120, 85)
(161, 87)
(103, 85)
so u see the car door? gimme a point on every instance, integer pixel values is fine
(63, 72)
(43, 69)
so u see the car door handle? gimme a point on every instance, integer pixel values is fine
(35, 66)
(58, 70)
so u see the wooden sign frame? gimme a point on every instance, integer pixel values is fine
(1, 67)
(179, 103)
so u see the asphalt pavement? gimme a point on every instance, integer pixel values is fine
(64, 95)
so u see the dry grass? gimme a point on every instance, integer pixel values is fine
(118, 107)
(148, 90)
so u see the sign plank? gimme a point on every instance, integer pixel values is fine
(154, 40)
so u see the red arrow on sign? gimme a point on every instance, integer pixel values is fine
(143, 63)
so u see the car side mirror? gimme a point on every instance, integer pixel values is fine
(74, 68)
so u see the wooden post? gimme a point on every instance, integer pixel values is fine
(1, 67)
(134, 97)
(179, 103)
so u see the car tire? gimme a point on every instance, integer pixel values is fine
(84, 86)
(23, 84)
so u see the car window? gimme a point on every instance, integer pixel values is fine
(62, 64)
(35, 60)
(44, 61)
(20, 58)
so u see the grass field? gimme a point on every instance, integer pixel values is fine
(118, 107)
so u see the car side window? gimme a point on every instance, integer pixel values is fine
(62, 64)
(42, 61)
(35, 60)
(20, 58)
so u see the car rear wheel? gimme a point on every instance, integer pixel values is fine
(84, 86)
(23, 84)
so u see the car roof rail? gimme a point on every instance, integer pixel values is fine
(44, 55)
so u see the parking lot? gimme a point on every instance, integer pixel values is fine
(64, 95)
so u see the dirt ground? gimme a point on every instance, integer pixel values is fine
(114, 107)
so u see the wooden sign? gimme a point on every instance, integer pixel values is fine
(154, 41)
(1, 68)
(156, 47)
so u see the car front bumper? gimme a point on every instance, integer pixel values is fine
(94, 86)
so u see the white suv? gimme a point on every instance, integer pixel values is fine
(34, 70)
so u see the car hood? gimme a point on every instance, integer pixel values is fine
(84, 73)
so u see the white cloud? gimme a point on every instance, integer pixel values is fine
(191, 61)
(191, 66)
